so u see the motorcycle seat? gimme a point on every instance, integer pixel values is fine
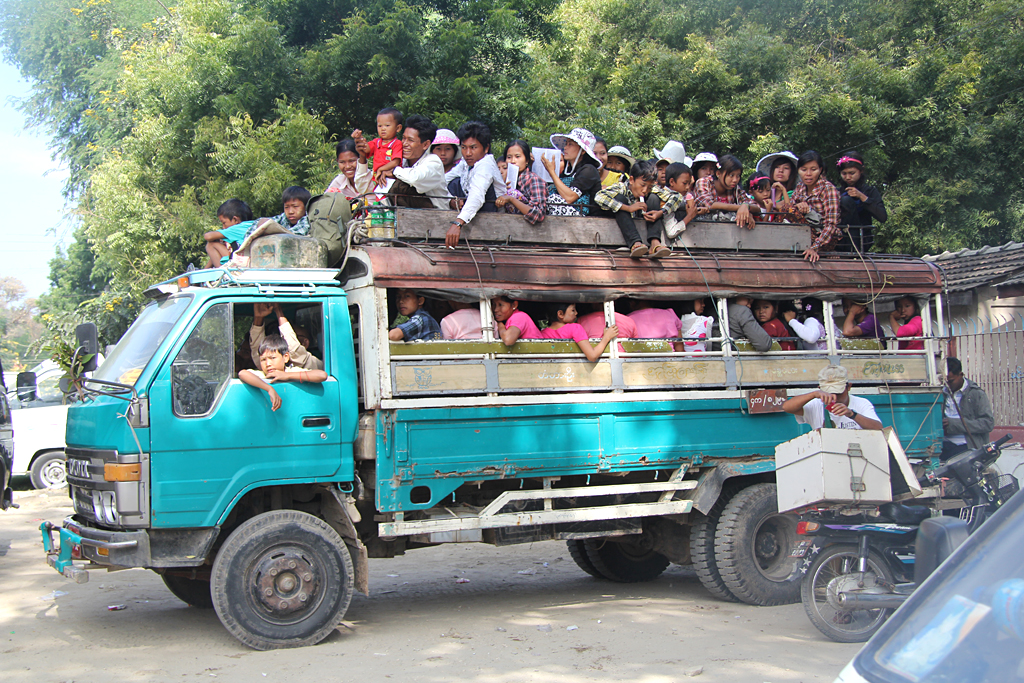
(904, 514)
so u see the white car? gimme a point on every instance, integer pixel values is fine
(39, 426)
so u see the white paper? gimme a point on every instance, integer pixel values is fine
(538, 166)
(511, 177)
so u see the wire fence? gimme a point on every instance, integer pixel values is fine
(992, 353)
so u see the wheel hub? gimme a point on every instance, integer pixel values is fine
(287, 583)
(849, 583)
(767, 545)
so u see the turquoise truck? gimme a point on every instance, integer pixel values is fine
(643, 458)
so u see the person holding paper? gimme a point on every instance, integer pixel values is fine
(834, 400)
(526, 193)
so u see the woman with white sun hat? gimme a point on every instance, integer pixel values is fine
(571, 192)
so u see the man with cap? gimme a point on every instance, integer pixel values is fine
(833, 398)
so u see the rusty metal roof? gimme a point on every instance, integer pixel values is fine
(969, 269)
(595, 275)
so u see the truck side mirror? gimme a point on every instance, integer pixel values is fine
(937, 538)
(26, 386)
(88, 343)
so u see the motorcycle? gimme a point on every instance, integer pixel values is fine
(858, 568)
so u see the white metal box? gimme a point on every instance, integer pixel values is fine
(846, 466)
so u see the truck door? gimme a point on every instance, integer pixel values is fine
(214, 437)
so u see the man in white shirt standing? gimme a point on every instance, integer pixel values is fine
(419, 182)
(834, 400)
(476, 177)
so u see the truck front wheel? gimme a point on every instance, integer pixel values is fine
(49, 471)
(194, 592)
(282, 579)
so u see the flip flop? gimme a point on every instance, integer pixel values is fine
(638, 250)
(661, 252)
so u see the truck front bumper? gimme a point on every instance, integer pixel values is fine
(73, 544)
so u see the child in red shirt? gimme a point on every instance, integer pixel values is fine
(767, 313)
(385, 150)
(562, 325)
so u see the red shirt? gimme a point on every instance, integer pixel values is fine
(775, 328)
(572, 331)
(913, 328)
(384, 152)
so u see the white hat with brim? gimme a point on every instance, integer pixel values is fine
(702, 157)
(582, 137)
(620, 152)
(764, 166)
(443, 136)
(833, 379)
(673, 152)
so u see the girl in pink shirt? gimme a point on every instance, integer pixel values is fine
(908, 312)
(511, 323)
(563, 325)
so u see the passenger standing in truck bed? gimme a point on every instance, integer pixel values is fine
(298, 338)
(562, 325)
(510, 323)
(742, 324)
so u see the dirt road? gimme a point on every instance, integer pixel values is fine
(526, 614)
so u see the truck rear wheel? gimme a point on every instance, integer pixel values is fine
(628, 561)
(282, 579)
(49, 471)
(193, 592)
(702, 549)
(753, 543)
(578, 552)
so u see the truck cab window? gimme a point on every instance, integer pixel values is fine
(204, 364)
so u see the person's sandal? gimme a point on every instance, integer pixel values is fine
(661, 251)
(639, 249)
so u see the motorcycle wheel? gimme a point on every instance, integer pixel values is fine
(833, 571)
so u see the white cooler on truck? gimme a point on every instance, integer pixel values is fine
(842, 466)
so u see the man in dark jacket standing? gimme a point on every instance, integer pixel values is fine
(967, 420)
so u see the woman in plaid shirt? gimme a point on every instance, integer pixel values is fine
(530, 195)
(815, 192)
(720, 192)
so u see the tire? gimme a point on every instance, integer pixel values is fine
(702, 550)
(629, 561)
(304, 565)
(192, 592)
(752, 547)
(826, 575)
(578, 552)
(49, 471)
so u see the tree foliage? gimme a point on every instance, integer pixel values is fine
(162, 114)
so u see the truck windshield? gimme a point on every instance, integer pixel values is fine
(127, 361)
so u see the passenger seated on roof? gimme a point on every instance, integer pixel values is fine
(654, 323)
(475, 182)
(463, 322)
(235, 218)
(742, 324)
(860, 323)
(815, 193)
(626, 200)
(355, 177)
(576, 177)
(446, 147)
(905, 321)
(720, 193)
(680, 181)
(298, 338)
(420, 325)
(767, 315)
(529, 196)
(294, 217)
(562, 325)
(510, 323)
